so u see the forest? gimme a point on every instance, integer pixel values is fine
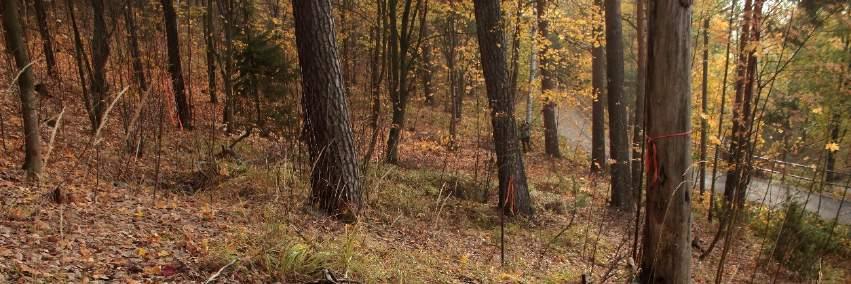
(425, 141)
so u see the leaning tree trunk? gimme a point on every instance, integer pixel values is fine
(619, 145)
(100, 54)
(184, 112)
(82, 64)
(513, 191)
(16, 45)
(548, 83)
(327, 129)
(598, 109)
(46, 39)
(667, 252)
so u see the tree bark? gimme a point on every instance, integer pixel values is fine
(327, 128)
(666, 242)
(184, 112)
(512, 174)
(548, 84)
(598, 109)
(209, 41)
(16, 44)
(46, 39)
(622, 196)
(100, 54)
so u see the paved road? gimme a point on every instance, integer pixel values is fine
(575, 127)
(758, 191)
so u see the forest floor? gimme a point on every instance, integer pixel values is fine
(241, 217)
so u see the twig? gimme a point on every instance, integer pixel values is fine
(56, 127)
(547, 247)
(216, 275)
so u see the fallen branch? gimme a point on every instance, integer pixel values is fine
(216, 275)
(229, 150)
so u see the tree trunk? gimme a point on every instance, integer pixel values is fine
(228, 20)
(135, 138)
(46, 39)
(184, 112)
(667, 250)
(135, 53)
(723, 103)
(426, 67)
(830, 163)
(640, 87)
(704, 94)
(533, 69)
(733, 187)
(209, 40)
(513, 192)
(378, 65)
(622, 196)
(455, 86)
(548, 84)
(15, 44)
(598, 109)
(100, 54)
(401, 35)
(327, 129)
(82, 64)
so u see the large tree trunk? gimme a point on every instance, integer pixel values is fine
(210, 42)
(512, 174)
(640, 87)
(100, 54)
(598, 109)
(327, 129)
(622, 196)
(16, 45)
(46, 39)
(548, 83)
(704, 94)
(667, 252)
(184, 112)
